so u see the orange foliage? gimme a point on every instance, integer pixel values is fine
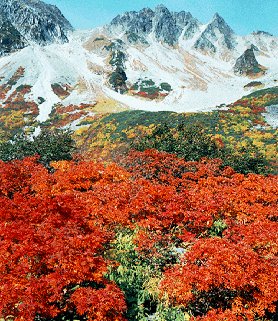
(55, 227)
(50, 244)
(228, 276)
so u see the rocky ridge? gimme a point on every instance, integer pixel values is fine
(170, 27)
(163, 25)
(216, 32)
(24, 22)
(152, 59)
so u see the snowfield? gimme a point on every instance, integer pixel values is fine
(199, 81)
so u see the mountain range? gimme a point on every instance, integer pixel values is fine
(150, 60)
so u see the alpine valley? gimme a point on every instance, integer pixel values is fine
(150, 60)
(138, 168)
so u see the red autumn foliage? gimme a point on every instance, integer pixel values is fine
(99, 305)
(50, 245)
(55, 227)
(232, 278)
(228, 278)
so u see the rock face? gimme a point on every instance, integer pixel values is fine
(189, 25)
(263, 33)
(168, 27)
(247, 63)
(217, 32)
(138, 23)
(165, 26)
(215, 38)
(10, 38)
(31, 21)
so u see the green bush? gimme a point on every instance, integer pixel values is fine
(131, 275)
(118, 58)
(118, 80)
(165, 86)
(138, 278)
(186, 141)
(246, 160)
(50, 146)
(190, 141)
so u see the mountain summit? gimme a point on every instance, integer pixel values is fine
(30, 21)
(151, 59)
(163, 25)
(217, 31)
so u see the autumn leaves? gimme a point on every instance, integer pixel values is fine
(58, 228)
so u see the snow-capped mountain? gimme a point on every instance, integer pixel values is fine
(217, 36)
(25, 22)
(150, 59)
(165, 26)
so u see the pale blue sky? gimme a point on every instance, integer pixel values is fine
(244, 16)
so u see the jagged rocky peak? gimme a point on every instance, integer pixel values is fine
(36, 21)
(219, 22)
(217, 32)
(191, 28)
(182, 18)
(247, 63)
(166, 26)
(186, 24)
(139, 23)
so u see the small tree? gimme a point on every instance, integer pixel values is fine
(118, 80)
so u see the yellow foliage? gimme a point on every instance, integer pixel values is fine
(81, 130)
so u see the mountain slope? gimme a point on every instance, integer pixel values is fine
(145, 60)
(32, 21)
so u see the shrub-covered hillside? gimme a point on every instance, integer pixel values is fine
(239, 131)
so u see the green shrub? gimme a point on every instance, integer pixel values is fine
(245, 160)
(118, 80)
(186, 141)
(165, 86)
(118, 58)
(190, 141)
(50, 146)
(131, 275)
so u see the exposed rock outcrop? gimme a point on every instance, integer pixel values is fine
(165, 26)
(10, 38)
(247, 64)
